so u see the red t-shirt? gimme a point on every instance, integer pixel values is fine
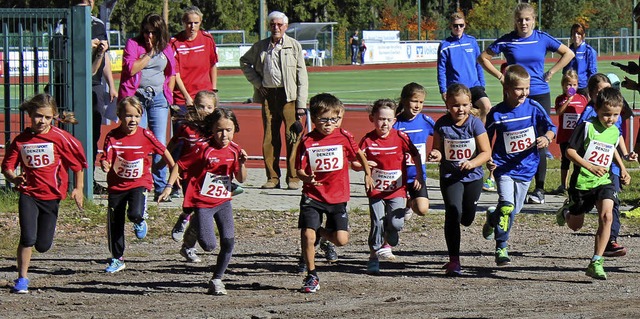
(211, 172)
(569, 118)
(45, 160)
(187, 136)
(129, 158)
(390, 153)
(328, 157)
(194, 60)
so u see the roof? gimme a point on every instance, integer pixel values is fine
(308, 31)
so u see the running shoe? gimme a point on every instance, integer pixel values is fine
(614, 249)
(311, 284)
(488, 228)
(115, 265)
(21, 286)
(408, 213)
(216, 288)
(452, 269)
(140, 229)
(385, 253)
(537, 197)
(177, 233)
(633, 213)
(190, 254)
(489, 185)
(505, 214)
(502, 257)
(329, 250)
(596, 270)
(560, 215)
(373, 267)
(236, 189)
(561, 190)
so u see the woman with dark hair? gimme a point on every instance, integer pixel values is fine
(585, 63)
(148, 70)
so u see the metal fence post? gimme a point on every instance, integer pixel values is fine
(80, 32)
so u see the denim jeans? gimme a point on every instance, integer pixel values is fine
(156, 118)
(513, 191)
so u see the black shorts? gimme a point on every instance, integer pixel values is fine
(415, 194)
(583, 201)
(477, 92)
(311, 213)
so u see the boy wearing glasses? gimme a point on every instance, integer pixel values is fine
(457, 63)
(322, 164)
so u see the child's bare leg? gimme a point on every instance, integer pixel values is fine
(24, 258)
(339, 238)
(605, 218)
(420, 205)
(308, 239)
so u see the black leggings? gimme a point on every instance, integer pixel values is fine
(541, 173)
(460, 202)
(201, 229)
(133, 202)
(37, 222)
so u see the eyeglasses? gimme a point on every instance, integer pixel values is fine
(459, 26)
(279, 25)
(332, 120)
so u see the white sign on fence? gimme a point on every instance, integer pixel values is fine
(396, 52)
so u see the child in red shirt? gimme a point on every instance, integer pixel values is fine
(211, 167)
(569, 105)
(387, 150)
(126, 161)
(44, 153)
(322, 162)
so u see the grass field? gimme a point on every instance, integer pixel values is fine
(365, 86)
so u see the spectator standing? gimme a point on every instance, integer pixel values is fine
(354, 41)
(363, 49)
(528, 47)
(585, 63)
(275, 67)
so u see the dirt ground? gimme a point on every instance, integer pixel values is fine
(545, 280)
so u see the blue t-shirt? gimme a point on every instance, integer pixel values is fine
(419, 129)
(528, 52)
(588, 114)
(458, 62)
(585, 63)
(456, 142)
(514, 151)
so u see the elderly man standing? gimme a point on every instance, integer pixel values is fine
(276, 68)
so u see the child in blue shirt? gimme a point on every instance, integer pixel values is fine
(515, 122)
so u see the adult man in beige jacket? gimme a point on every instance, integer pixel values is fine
(276, 68)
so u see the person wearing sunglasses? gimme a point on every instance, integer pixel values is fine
(457, 63)
(275, 67)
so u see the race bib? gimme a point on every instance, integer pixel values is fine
(599, 153)
(37, 155)
(459, 150)
(326, 158)
(569, 121)
(520, 140)
(216, 186)
(422, 149)
(128, 169)
(386, 180)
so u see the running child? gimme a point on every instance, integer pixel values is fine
(213, 164)
(386, 150)
(126, 161)
(461, 145)
(322, 164)
(183, 139)
(569, 105)
(515, 123)
(44, 154)
(597, 83)
(592, 149)
(419, 127)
